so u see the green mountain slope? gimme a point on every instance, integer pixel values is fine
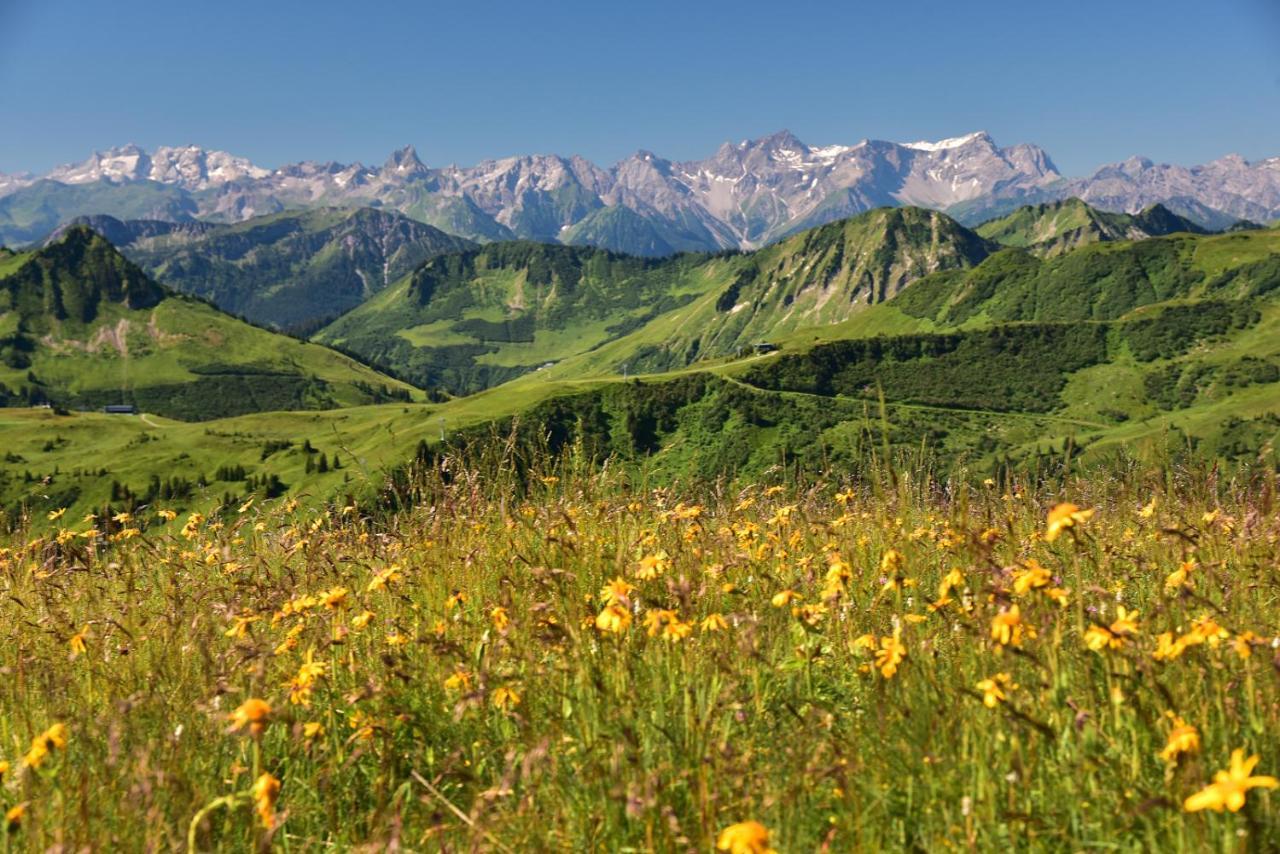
(621, 229)
(471, 321)
(616, 227)
(292, 270)
(1160, 347)
(1097, 282)
(81, 326)
(818, 277)
(1058, 227)
(476, 319)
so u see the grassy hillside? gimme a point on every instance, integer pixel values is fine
(818, 277)
(1157, 347)
(477, 319)
(1099, 282)
(80, 326)
(473, 320)
(1058, 227)
(292, 270)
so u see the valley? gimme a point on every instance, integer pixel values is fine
(1057, 335)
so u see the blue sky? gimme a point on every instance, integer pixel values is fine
(1091, 81)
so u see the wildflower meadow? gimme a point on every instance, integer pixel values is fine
(576, 662)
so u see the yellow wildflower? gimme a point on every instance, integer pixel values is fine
(266, 790)
(655, 619)
(993, 689)
(784, 598)
(1057, 594)
(459, 680)
(1167, 649)
(252, 713)
(892, 562)
(1098, 638)
(676, 629)
(1032, 577)
(53, 738)
(891, 653)
(1183, 738)
(1007, 628)
(500, 618)
(1205, 630)
(240, 625)
(335, 599)
(76, 642)
(1062, 517)
(290, 641)
(651, 566)
(811, 615)
(745, 837)
(614, 619)
(714, 623)
(1180, 577)
(383, 578)
(617, 590)
(1243, 644)
(302, 684)
(505, 698)
(1227, 791)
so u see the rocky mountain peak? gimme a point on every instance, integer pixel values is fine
(744, 195)
(404, 163)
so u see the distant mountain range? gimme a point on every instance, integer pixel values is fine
(745, 195)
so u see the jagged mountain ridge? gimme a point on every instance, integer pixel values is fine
(744, 195)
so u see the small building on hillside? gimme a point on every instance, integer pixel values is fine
(762, 347)
(120, 409)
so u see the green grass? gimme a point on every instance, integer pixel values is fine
(1177, 369)
(813, 657)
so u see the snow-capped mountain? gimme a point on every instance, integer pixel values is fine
(188, 166)
(745, 194)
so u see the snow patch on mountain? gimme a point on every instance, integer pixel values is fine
(946, 144)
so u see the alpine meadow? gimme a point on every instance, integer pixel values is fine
(762, 498)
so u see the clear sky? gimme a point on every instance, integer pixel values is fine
(1092, 81)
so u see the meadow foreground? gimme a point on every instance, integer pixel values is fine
(598, 667)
